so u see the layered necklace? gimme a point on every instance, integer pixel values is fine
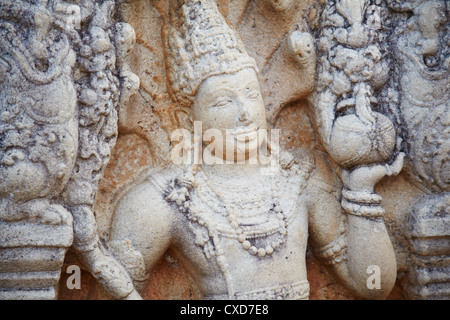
(258, 218)
(255, 217)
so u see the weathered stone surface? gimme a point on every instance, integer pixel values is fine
(91, 93)
(63, 76)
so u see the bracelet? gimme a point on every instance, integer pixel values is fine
(361, 197)
(362, 210)
(334, 252)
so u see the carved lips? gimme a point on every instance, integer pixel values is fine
(245, 134)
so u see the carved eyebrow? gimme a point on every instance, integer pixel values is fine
(226, 88)
(252, 83)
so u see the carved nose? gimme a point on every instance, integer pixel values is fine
(244, 116)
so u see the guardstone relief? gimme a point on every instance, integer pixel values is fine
(224, 149)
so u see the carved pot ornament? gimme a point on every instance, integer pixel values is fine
(353, 68)
(360, 141)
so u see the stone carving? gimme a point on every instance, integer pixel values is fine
(228, 223)
(60, 92)
(288, 53)
(352, 67)
(357, 87)
(355, 63)
(423, 79)
(39, 140)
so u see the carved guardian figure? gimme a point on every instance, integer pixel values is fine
(423, 74)
(242, 234)
(38, 145)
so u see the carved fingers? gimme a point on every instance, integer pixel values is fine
(365, 178)
(395, 168)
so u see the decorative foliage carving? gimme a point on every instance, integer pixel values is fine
(60, 92)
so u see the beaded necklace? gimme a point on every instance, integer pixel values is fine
(179, 193)
(231, 215)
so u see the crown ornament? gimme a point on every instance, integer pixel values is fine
(200, 44)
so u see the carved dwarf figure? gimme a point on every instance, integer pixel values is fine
(239, 233)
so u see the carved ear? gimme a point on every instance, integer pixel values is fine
(183, 118)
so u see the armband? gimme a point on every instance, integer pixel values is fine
(335, 252)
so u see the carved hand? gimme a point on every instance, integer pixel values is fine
(365, 178)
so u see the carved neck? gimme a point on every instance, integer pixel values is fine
(233, 171)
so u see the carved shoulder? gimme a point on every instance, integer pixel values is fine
(144, 218)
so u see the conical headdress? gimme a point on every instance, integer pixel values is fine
(200, 44)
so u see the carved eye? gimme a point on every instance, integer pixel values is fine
(222, 103)
(253, 95)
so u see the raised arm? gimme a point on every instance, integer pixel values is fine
(347, 229)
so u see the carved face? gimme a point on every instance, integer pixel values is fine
(232, 105)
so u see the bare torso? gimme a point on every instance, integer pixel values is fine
(259, 256)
